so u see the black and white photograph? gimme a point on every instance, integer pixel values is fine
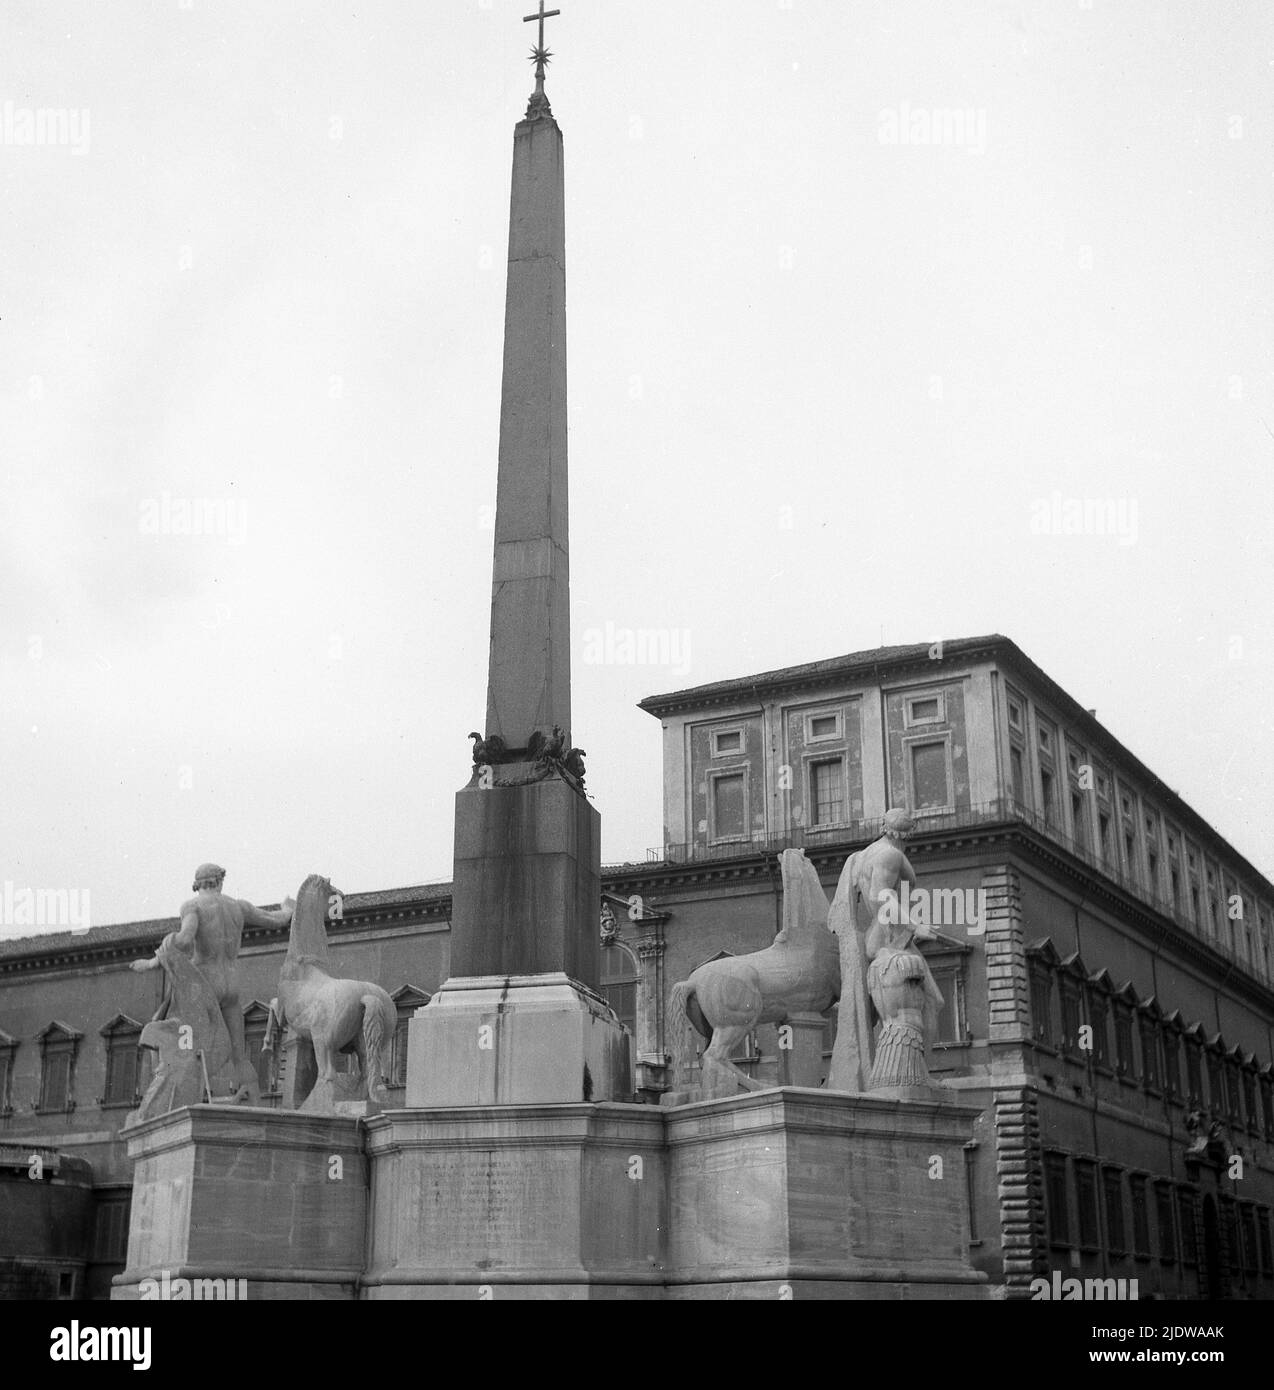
(637, 656)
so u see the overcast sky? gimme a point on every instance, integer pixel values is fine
(829, 349)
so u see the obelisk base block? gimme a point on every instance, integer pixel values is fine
(517, 1040)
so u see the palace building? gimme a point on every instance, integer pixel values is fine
(1103, 953)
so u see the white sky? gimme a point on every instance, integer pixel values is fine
(908, 345)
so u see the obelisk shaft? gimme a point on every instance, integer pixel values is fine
(529, 680)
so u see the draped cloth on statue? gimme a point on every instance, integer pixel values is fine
(853, 1052)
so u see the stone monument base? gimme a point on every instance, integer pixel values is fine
(805, 1194)
(519, 1040)
(780, 1194)
(223, 1194)
(774, 1195)
(548, 1201)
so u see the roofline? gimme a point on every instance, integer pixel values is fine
(965, 650)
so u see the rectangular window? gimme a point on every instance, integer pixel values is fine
(1171, 1063)
(925, 710)
(1230, 1225)
(726, 742)
(1015, 714)
(1047, 796)
(6, 1076)
(121, 1070)
(1123, 1042)
(1194, 1074)
(1018, 771)
(1150, 1055)
(824, 726)
(1189, 1236)
(1247, 1219)
(55, 1087)
(1086, 1191)
(1079, 819)
(1097, 1020)
(1112, 1180)
(950, 984)
(729, 813)
(1103, 824)
(1055, 1196)
(929, 776)
(827, 792)
(1167, 1223)
(1042, 1006)
(1070, 1014)
(1140, 1215)
(398, 1063)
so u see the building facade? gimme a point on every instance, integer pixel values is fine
(1103, 953)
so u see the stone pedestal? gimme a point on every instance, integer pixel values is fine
(231, 1193)
(527, 881)
(811, 1194)
(524, 1040)
(518, 1202)
(783, 1194)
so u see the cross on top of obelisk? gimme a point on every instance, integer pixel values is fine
(541, 57)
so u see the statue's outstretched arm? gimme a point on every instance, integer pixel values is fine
(259, 917)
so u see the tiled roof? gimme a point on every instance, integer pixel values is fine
(150, 932)
(812, 671)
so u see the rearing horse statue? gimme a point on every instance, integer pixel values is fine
(725, 999)
(334, 1015)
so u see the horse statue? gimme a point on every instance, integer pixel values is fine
(724, 1000)
(329, 1015)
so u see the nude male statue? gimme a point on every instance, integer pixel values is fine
(210, 933)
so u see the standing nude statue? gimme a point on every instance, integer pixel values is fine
(210, 933)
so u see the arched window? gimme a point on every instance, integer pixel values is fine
(620, 979)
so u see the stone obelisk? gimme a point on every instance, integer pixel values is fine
(519, 1019)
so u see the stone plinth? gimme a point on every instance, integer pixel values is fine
(227, 1192)
(518, 1202)
(524, 1040)
(811, 1194)
(527, 882)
